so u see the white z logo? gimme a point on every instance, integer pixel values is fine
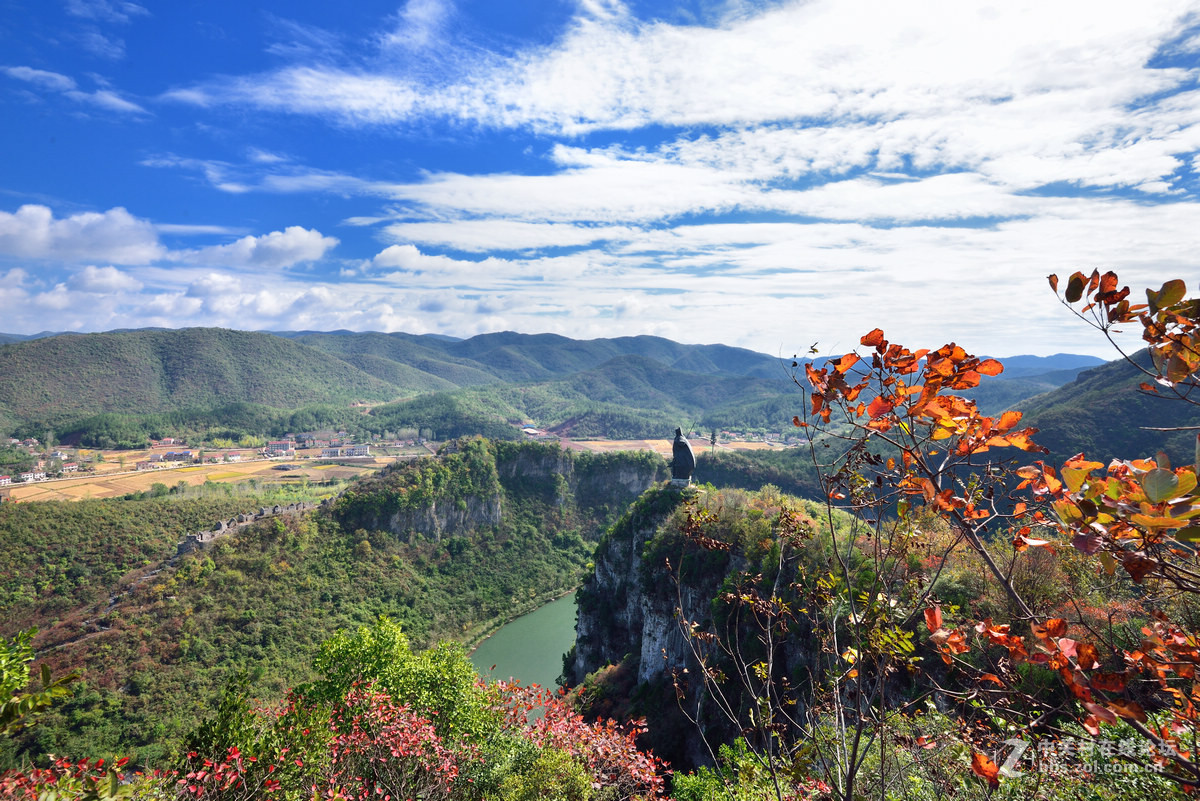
(1010, 764)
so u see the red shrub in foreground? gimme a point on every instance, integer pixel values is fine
(607, 749)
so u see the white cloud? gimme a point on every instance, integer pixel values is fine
(114, 235)
(103, 280)
(96, 43)
(105, 10)
(418, 24)
(409, 260)
(790, 62)
(56, 82)
(276, 250)
(105, 99)
(481, 236)
(295, 40)
(49, 80)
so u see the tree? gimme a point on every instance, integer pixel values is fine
(20, 709)
(916, 481)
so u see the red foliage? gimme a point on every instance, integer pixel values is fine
(384, 749)
(607, 749)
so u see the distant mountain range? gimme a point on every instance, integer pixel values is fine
(623, 386)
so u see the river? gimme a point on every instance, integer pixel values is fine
(530, 649)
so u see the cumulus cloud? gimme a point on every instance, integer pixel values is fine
(409, 259)
(114, 236)
(103, 280)
(276, 250)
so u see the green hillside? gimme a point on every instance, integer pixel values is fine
(121, 388)
(416, 352)
(1103, 413)
(71, 376)
(493, 530)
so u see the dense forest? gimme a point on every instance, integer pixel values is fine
(122, 389)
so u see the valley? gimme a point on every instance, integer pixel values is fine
(446, 533)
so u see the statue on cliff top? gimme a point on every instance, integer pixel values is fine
(683, 461)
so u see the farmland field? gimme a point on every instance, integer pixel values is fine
(112, 482)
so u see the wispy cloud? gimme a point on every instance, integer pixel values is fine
(418, 25)
(119, 11)
(66, 86)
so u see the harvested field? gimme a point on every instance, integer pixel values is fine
(110, 484)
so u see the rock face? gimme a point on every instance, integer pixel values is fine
(612, 616)
(472, 482)
(632, 611)
(447, 518)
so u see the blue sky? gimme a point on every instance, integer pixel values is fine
(765, 174)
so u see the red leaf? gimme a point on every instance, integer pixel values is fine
(985, 768)
(873, 339)
(1100, 712)
(1108, 682)
(880, 406)
(990, 367)
(933, 618)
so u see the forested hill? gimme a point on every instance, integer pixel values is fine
(123, 387)
(625, 397)
(509, 356)
(1103, 414)
(72, 375)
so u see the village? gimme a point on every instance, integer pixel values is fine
(46, 463)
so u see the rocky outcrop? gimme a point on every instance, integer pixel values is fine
(590, 480)
(634, 608)
(444, 518)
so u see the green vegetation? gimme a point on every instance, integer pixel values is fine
(263, 599)
(59, 557)
(15, 460)
(379, 720)
(121, 389)
(66, 377)
(1086, 417)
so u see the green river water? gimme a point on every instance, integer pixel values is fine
(530, 648)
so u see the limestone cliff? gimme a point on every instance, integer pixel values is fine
(648, 578)
(476, 484)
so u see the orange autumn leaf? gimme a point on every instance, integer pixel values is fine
(933, 618)
(985, 768)
(1008, 420)
(1130, 710)
(873, 339)
(1087, 655)
(990, 367)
